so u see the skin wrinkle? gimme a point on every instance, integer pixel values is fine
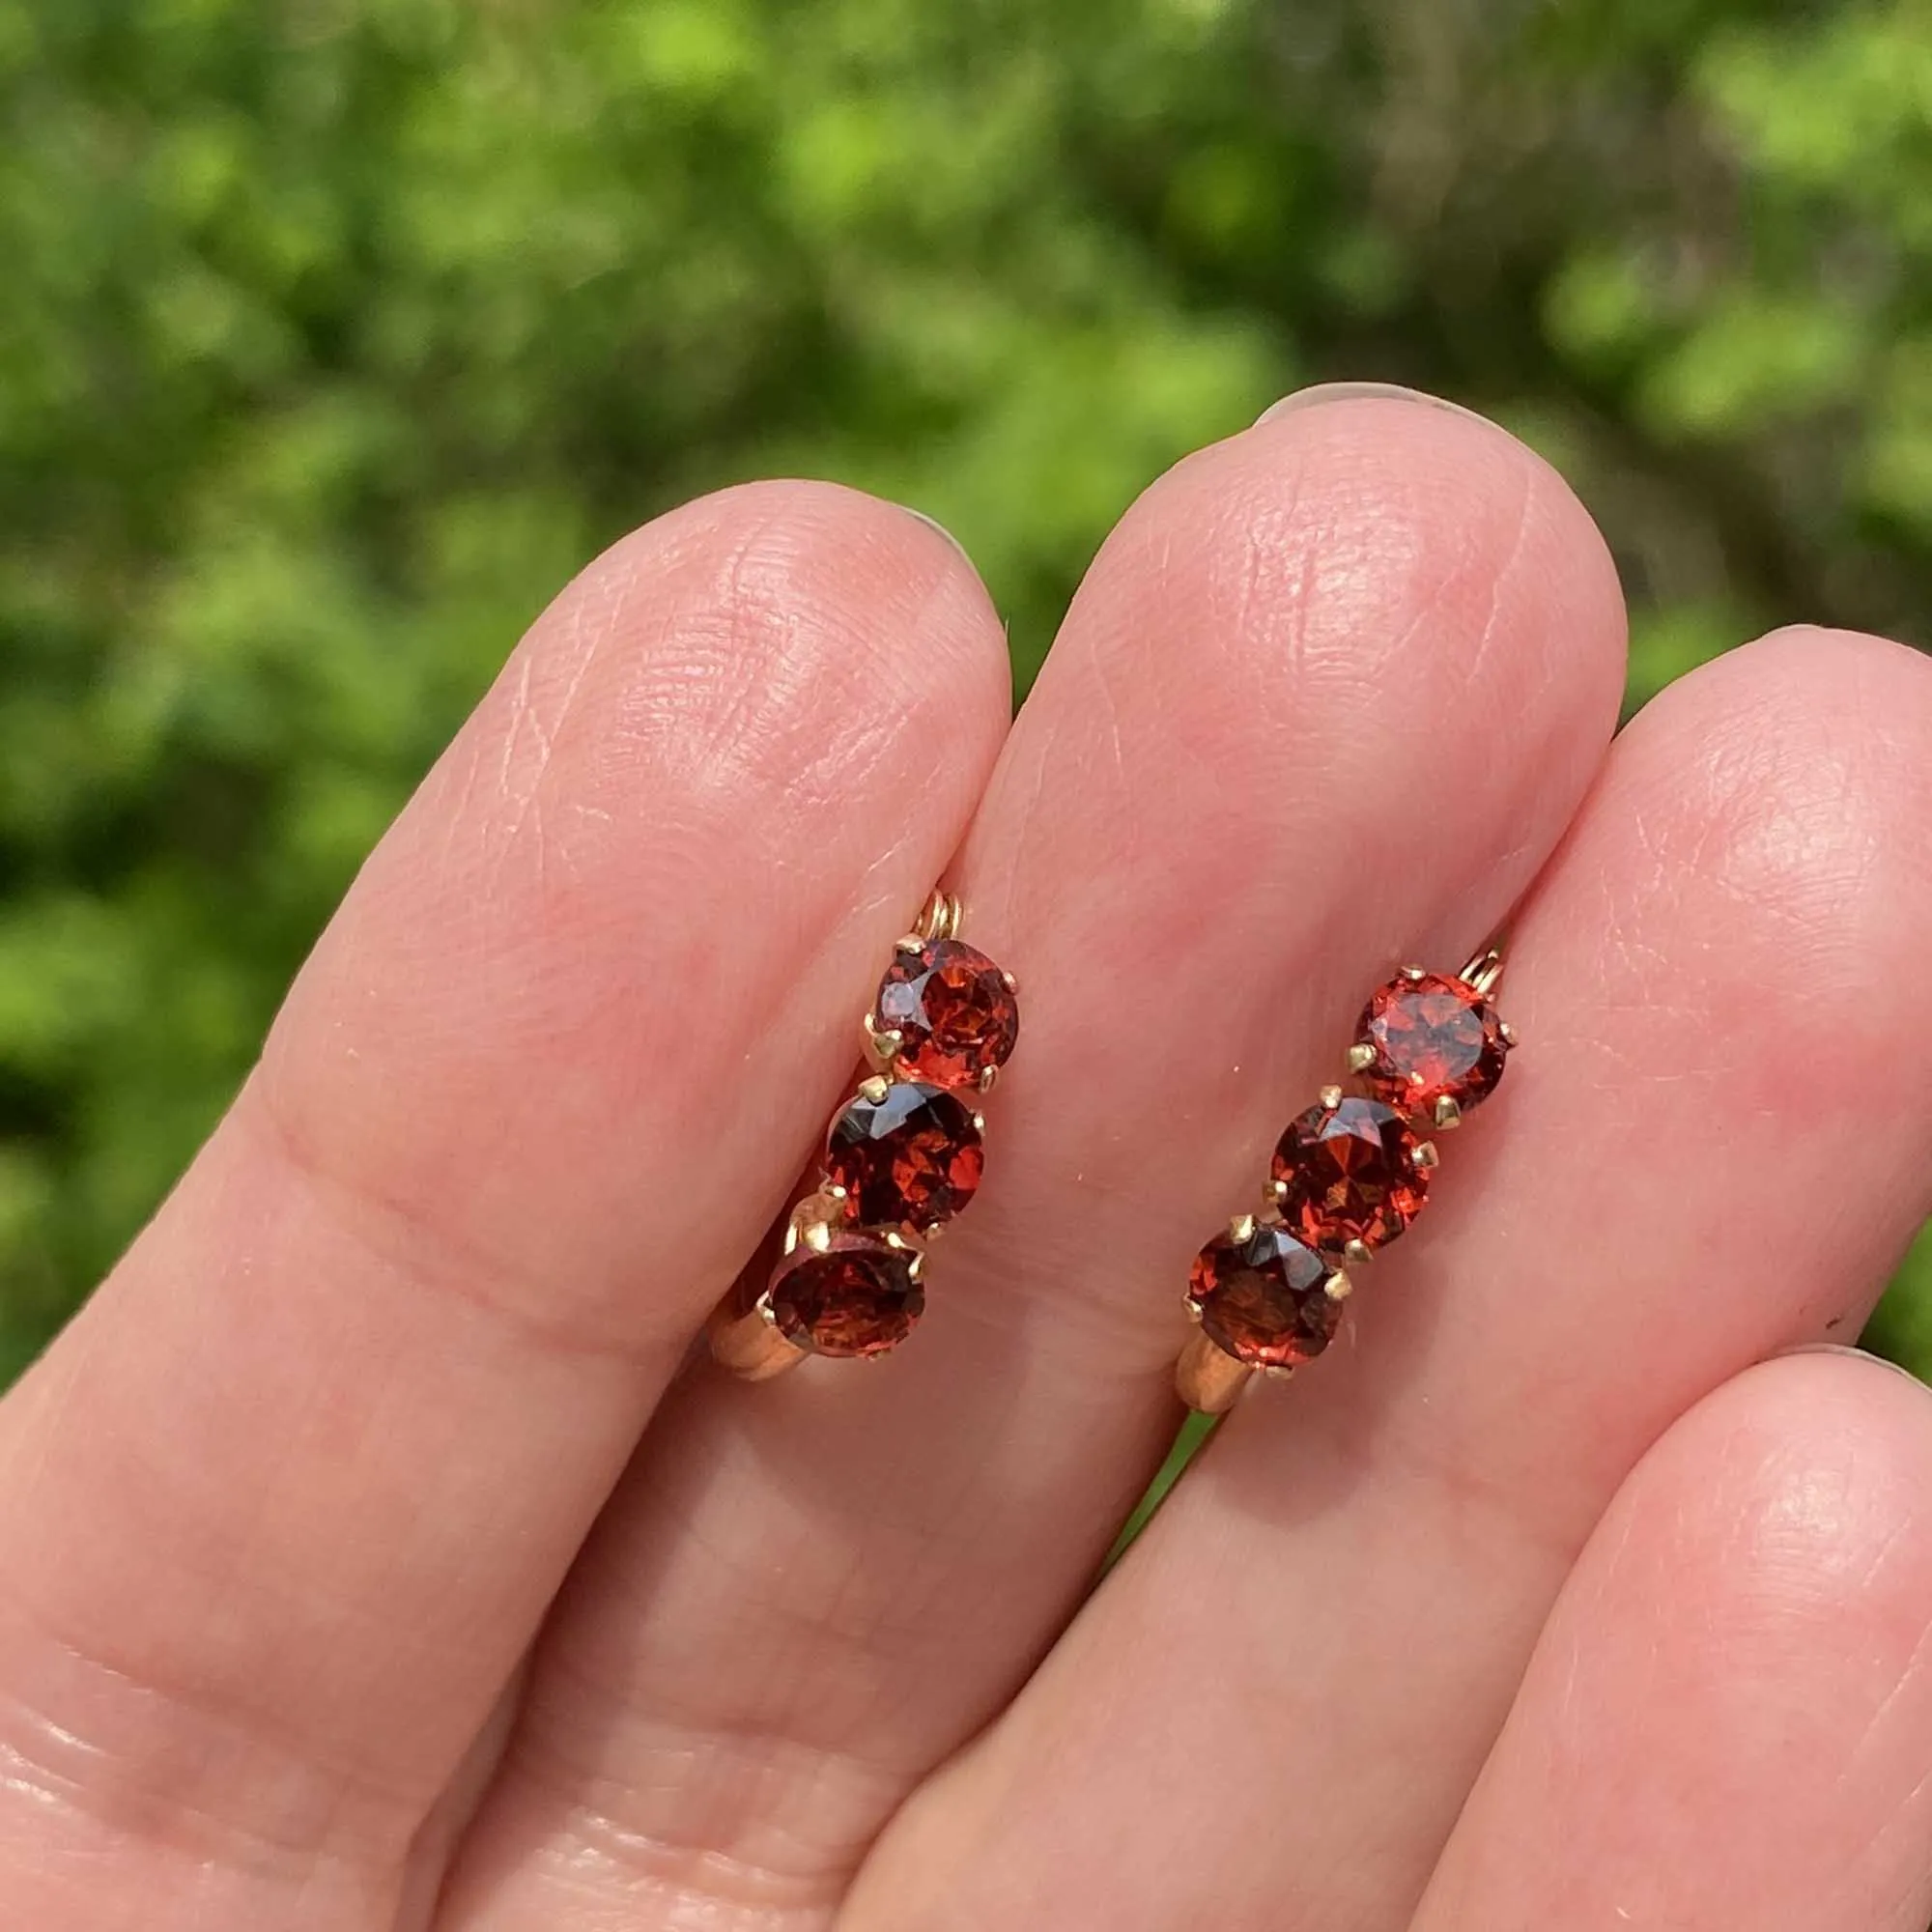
(93, 1786)
(397, 1231)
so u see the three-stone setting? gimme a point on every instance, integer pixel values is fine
(1265, 1298)
(843, 1273)
(1347, 1177)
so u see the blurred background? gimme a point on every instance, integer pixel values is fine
(337, 334)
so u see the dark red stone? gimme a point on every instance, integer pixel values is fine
(1349, 1174)
(1264, 1299)
(910, 1160)
(856, 1297)
(955, 1010)
(1434, 1038)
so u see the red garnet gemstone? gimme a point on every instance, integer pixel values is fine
(909, 1160)
(955, 1010)
(1349, 1174)
(1436, 1038)
(1264, 1300)
(857, 1296)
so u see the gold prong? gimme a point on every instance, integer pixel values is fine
(882, 1043)
(1361, 1057)
(817, 1237)
(1281, 1374)
(915, 1266)
(987, 1076)
(1426, 1156)
(908, 942)
(1193, 1307)
(1358, 1252)
(1242, 1230)
(790, 1247)
(1331, 1098)
(1338, 1287)
(1447, 1114)
(875, 1088)
(979, 1123)
(1511, 1038)
(1011, 981)
(1415, 972)
(1279, 1189)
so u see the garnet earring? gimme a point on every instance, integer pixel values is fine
(901, 1157)
(1347, 1177)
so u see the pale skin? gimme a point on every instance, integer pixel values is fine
(376, 1553)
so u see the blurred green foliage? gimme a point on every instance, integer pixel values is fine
(337, 334)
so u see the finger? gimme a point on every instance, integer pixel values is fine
(1704, 1151)
(1728, 1721)
(1261, 760)
(280, 1511)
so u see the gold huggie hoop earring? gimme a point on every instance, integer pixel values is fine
(1347, 1177)
(901, 1157)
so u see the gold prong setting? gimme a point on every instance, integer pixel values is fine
(1348, 1176)
(901, 1156)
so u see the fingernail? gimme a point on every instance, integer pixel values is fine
(1318, 393)
(1853, 1355)
(933, 523)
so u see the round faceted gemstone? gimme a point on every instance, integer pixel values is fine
(1264, 1300)
(953, 1010)
(1347, 1172)
(856, 1297)
(1436, 1038)
(910, 1159)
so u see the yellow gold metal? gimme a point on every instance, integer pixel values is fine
(1010, 982)
(941, 918)
(1331, 1098)
(1415, 972)
(1447, 1113)
(1279, 1374)
(1361, 1057)
(749, 1345)
(1425, 1155)
(1509, 1034)
(1484, 970)
(1242, 1230)
(1207, 1378)
(1358, 1252)
(1338, 1287)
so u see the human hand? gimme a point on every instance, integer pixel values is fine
(374, 1554)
